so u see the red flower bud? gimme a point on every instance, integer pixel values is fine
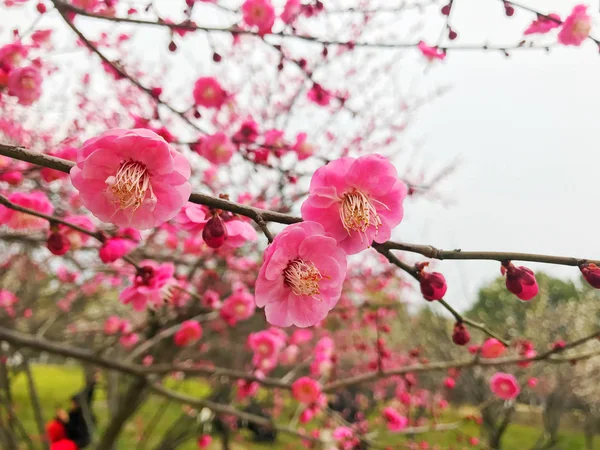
(461, 335)
(214, 232)
(591, 273)
(58, 244)
(433, 285)
(520, 281)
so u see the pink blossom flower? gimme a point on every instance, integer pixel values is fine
(505, 386)
(532, 382)
(325, 347)
(238, 306)
(216, 148)
(209, 93)
(520, 281)
(76, 238)
(356, 200)
(530, 353)
(576, 27)
(450, 383)
(543, 25)
(259, 14)
(492, 348)
(246, 389)
(318, 95)
(302, 148)
(431, 53)
(247, 133)
(12, 54)
(341, 433)
(433, 285)
(151, 285)
(131, 178)
(25, 83)
(394, 420)
(291, 11)
(189, 333)
(35, 200)
(211, 299)
(148, 360)
(193, 218)
(115, 248)
(8, 300)
(301, 278)
(306, 390)
(591, 274)
(65, 276)
(112, 325)
(265, 345)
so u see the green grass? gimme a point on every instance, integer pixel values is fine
(56, 384)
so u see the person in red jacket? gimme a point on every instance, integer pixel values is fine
(57, 434)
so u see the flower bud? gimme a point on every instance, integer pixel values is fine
(520, 281)
(58, 244)
(461, 335)
(591, 273)
(492, 348)
(433, 284)
(214, 232)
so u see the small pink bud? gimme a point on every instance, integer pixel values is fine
(446, 9)
(214, 232)
(520, 281)
(450, 383)
(433, 284)
(58, 244)
(492, 348)
(532, 382)
(461, 335)
(204, 441)
(591, 273)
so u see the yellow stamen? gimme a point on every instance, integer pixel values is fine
(302, 277)
(130, 185)
(358, 213)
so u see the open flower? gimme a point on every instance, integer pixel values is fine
(357, 201)
(306, 390)
(492, 348)
(394, 420)
(151, 285)
(238, 306)
(216, 148)
(189, 333)
(209, 93)
(301, 278)
(259, 14)
(505, 386)
(576, 27)
(431, 53)
(131, 178)
(25, 83)
(543, 25)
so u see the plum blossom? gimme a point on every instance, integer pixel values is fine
(25, 83)
(302, 148)
(356, 201)
(492, 348)
(209, 93)
(306, 390)
(238, 306)
(112, 325)
(115, 248)
(265, 345)
(131, 178)
(576, 27)
(151, 285)
(291, 11)
(505, 386)
(189, 333)
(394, 420)
(301, 278)
(12, 54)
(259, 14)
(317, 94)
(76, 238)
(520, 281)
(35, 200)
(216, 148)
(8, 300)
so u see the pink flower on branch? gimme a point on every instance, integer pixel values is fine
(576, 27)
(394, 420)
(189, 333)
(306, 390)
(543, 25)
(26, 84)
(492, 348)
(357, 201)
(431, 53)
(301, 278)
(259, 14)
(209, 93)
(520, 281)
(132, 178)
(151, 285)
(505, 386)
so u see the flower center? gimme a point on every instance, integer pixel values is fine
(582, 27)
(130, 185)
(240, 309)
(358, 213)
(302, 277)
(27, 83)
(209, 93)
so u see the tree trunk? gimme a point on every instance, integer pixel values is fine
(10, 435)
(35, 403)
(131, 402)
